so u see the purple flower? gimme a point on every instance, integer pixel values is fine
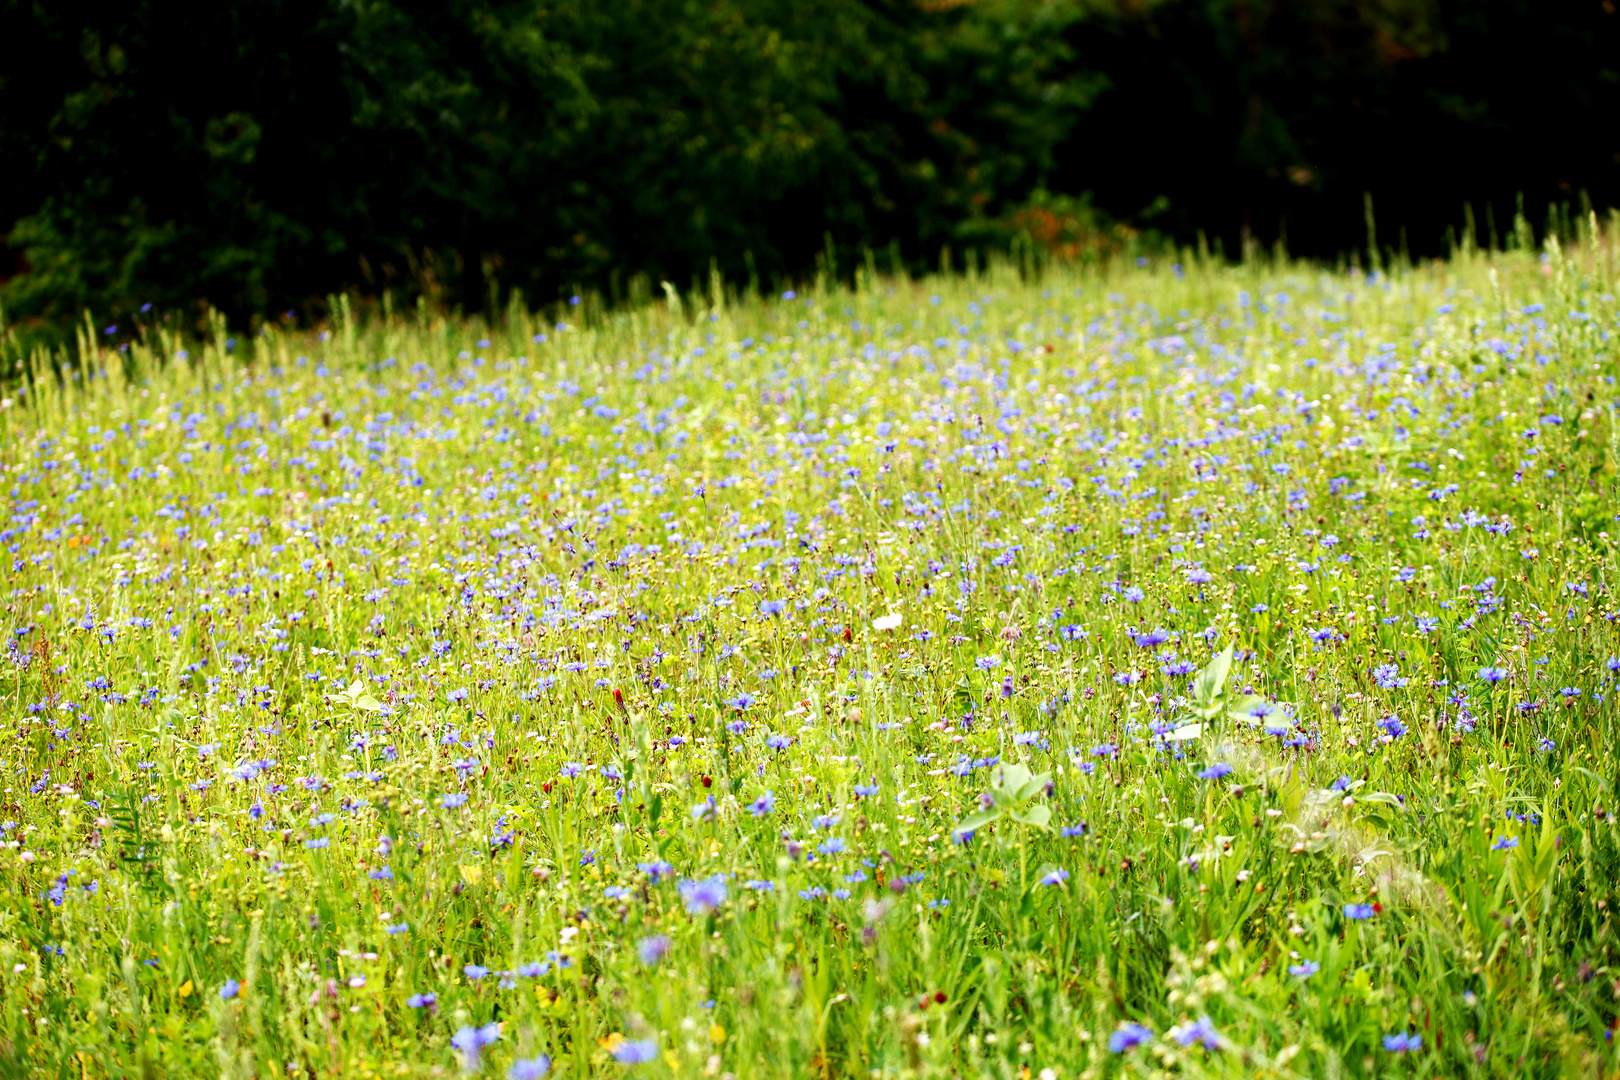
(1304, 969)
(762, 805)
(703, 895)
(1388, 676)
(529, 1068)
(1055, 877)
(1493, 674)
(653, 949)
(1402, 1043)
(656, 869)
(1201, 1032)
(1129, 1037)
(230, 989)
(1216, 771)
(471, 1042)
(1358, 912)
(635, 1052)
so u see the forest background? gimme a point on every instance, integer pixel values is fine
(255, 158)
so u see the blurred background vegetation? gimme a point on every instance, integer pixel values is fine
(252, 158)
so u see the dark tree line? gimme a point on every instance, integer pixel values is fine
(258, 155)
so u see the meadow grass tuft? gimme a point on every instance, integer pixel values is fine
(1128, 670)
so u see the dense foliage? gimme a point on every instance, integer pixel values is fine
(1169, 669)
(259, 156)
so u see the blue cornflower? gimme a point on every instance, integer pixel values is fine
(1358, 912)
(656, 869)
(1216, 771)
(635, 1052)
(230, 989)
(1402, 1043)
(653, 949)
(1388, 676)
(1304, 969)
(471, 1042)
(529, 1068)
(1203, 1031)
(1129, 1037)
(703, 895)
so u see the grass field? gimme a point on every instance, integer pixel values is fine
(1135, 671)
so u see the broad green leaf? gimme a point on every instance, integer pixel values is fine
(1013, 777)
(976, 821)
(1208, 685)
(1032, 787)
(1039, 815)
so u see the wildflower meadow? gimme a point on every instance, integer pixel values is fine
(1133, 668)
